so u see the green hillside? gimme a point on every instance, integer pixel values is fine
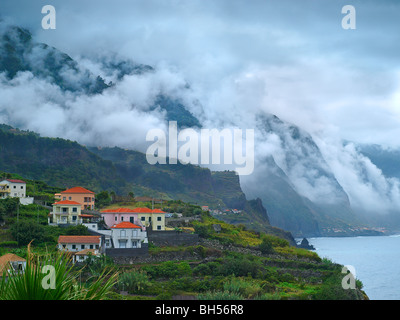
(63, 164)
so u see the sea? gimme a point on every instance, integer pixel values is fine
(375, 261)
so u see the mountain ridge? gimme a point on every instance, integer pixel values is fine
(295, 183)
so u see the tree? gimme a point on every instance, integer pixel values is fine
(266, 246)
(25, 231)
(103, 199)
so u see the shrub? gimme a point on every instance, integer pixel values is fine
(240, 266)
(134, 281)
(219, 295)
(29, 285)
(169, 269)
(247, 288)
(202, 230)
(266, 246)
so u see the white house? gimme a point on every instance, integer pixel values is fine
(13, 188)
(11, 263)
(82, 246)
(128, 235)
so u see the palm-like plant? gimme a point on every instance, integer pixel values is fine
(60, 281)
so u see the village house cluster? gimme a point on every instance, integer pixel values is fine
(120, 228)
(115, 232)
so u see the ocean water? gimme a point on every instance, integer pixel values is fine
(376, 261)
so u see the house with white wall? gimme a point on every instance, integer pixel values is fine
(11, 264)
(82, 246)
(128, 235)
(13, 188)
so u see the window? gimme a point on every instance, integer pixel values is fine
(74, 246)
(64, 210)
(15, 187)
(115, 219)
(134, 244)
(131, 219)
(69, 198)
(149, 219)
(158, 227)
(64, 198)
(91, 246)
(122, 244)
(74, 218)
(122, 218)
(22, 187)
(123, 233)
(75, 209)
(143, 219)
(82, 246)
(158, 218)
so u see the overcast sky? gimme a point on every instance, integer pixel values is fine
(293, 56)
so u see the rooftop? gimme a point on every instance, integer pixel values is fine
(67, 202)
(79, 239)
(15, 181)
(8, 257)
(125, 225)
(77, 190)
(135, 210)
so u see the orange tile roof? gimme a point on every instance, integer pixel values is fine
(77, 190)
(158, 211)
(125, 225)
(68, 202)
(5, 259)
(119, 210)
(79, 239)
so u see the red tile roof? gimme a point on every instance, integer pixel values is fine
(119, 210)
(68, 202)
(77, 190)
(125, 225)
(15, 180)
(135, 210)
(158, 211)
(79, 239)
